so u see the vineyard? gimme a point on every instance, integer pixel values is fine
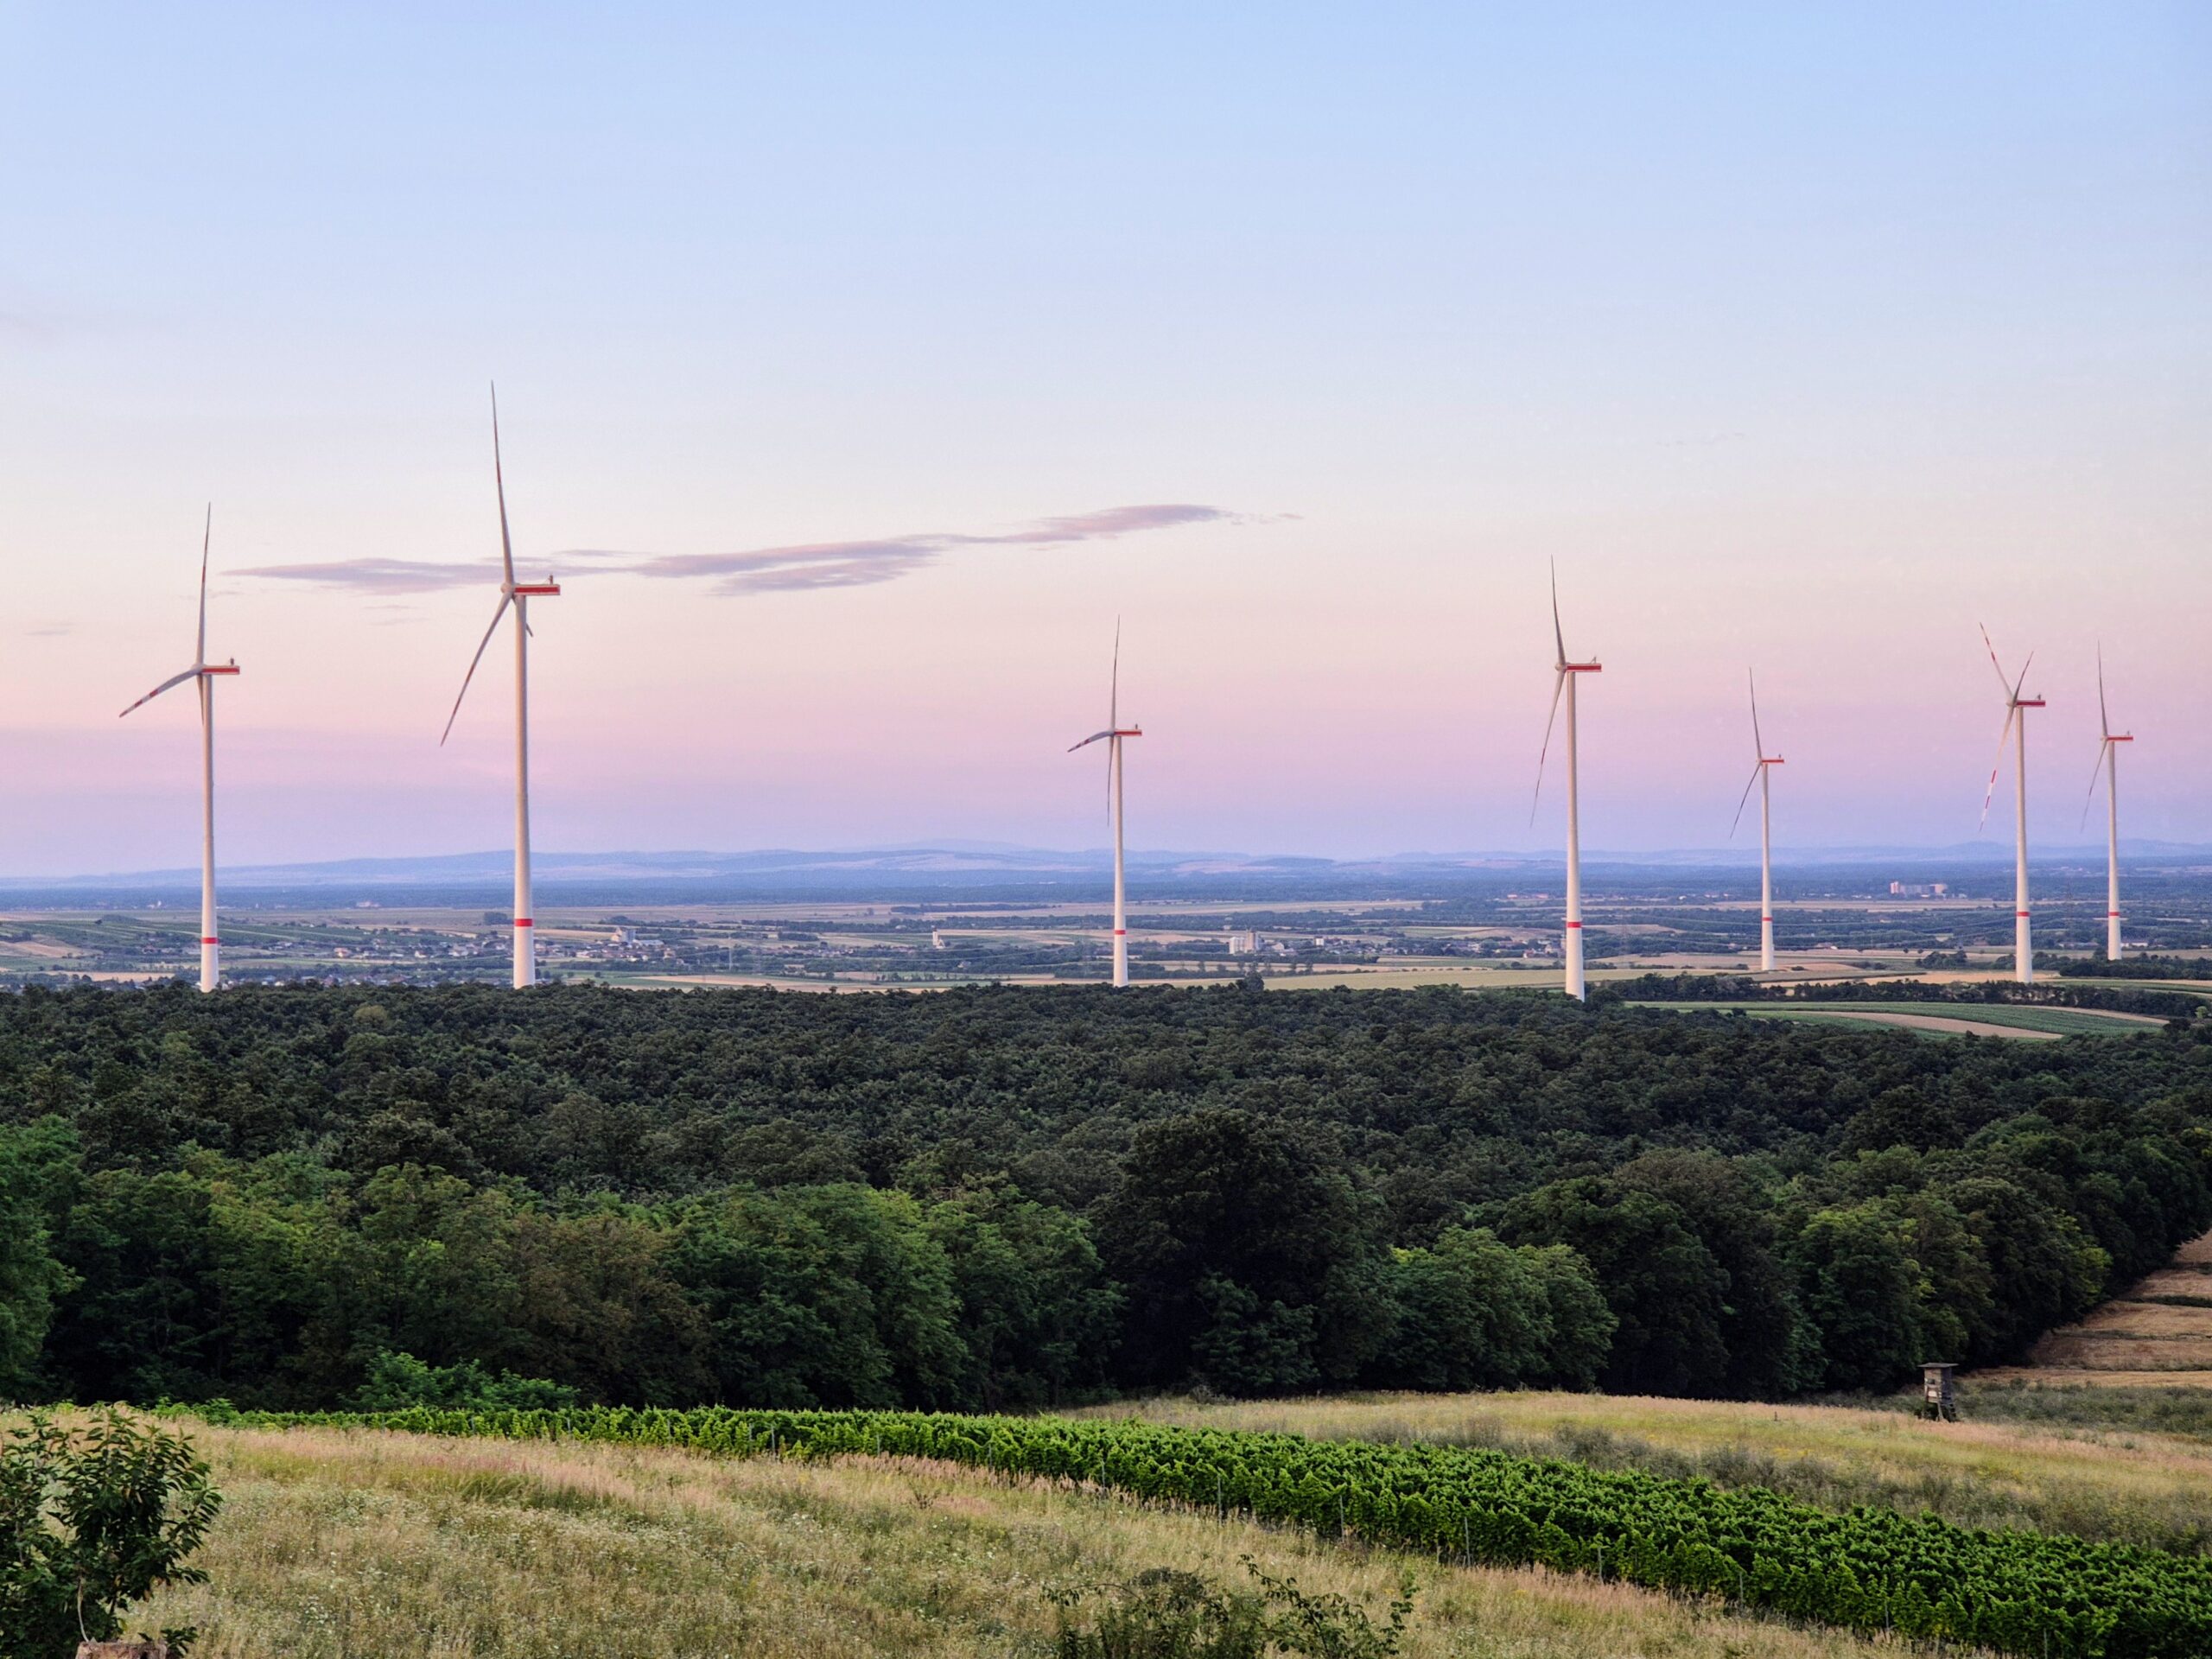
(1866, 1570)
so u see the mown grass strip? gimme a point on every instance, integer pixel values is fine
(1867, 1570)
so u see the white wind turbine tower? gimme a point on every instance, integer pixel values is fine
(1564, 673)
(2109, 763)
(1112, 737)
(518, 595)
(2016, 727)
(203, 671)
(1766, 831)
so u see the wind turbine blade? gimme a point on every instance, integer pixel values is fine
(2023, 680)
(1114, 686)
(1094, 738)
(500, 481)
(2104, 720)
(1740, 805)
(173, 680)
(2095, 773)
(1757, 742)
(207, 531)
(1994, 663)
(1558, 639)
(505, 600)
(1990, 794)
(1559, 684)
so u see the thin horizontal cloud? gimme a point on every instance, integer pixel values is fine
(382, 576)
(862, 564)
(759, 570)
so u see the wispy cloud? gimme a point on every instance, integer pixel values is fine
(758, 570)
(859, 564)
(382, 576)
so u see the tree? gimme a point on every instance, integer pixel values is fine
(1474, 1313)
(2043, 1269)
(1660, 1283)
(831, 1295)
(1859, 1285)
(29, 1276)
(1223, 1217)
(1037, 1316)
(1770, 1349)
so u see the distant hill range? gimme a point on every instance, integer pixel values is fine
(972, 871)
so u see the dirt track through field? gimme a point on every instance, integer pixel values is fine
(1934, 1022)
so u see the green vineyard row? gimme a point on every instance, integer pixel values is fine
(1868, 1569)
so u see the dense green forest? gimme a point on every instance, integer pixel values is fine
(1002, 1197)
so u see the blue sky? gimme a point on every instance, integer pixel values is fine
(1805, 337)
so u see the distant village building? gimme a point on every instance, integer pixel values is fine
(937, 941)
(1243, 944)
(1919, 889)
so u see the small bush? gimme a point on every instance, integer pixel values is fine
(1165, 1614)
(91, 1520)
(399, 1381)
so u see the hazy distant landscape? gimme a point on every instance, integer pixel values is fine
(933, 915)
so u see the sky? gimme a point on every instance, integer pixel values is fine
(860, 366)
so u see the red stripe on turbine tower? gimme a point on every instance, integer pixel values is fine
(1563, 684)
(203, 673)
(2015, 730)
(518, 595)
(1112, 737)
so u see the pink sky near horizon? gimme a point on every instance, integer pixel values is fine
(1808, 357)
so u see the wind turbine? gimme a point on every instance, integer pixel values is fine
(1563, 680)
(1766, 831)
(2016, 727)
(203, 671)
(2109, 763)
(518, 594)
(1112, 737)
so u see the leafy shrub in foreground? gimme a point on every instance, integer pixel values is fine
(1165, 1614)
(90, 1521)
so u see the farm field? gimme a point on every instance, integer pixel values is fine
(1991, 1020)
(362, 1542)
(2157, 1332)
(2116, 1485)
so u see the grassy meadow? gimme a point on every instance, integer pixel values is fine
(338, 1544)
(2115, 1484)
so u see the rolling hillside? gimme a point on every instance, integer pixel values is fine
(355, 1543)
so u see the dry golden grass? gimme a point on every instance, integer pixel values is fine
(337, 1544)
(2137, 1337)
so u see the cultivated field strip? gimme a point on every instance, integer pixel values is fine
(1866, 1570)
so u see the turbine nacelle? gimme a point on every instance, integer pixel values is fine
(2014, 703)
(1099, 737)
(200, 666)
